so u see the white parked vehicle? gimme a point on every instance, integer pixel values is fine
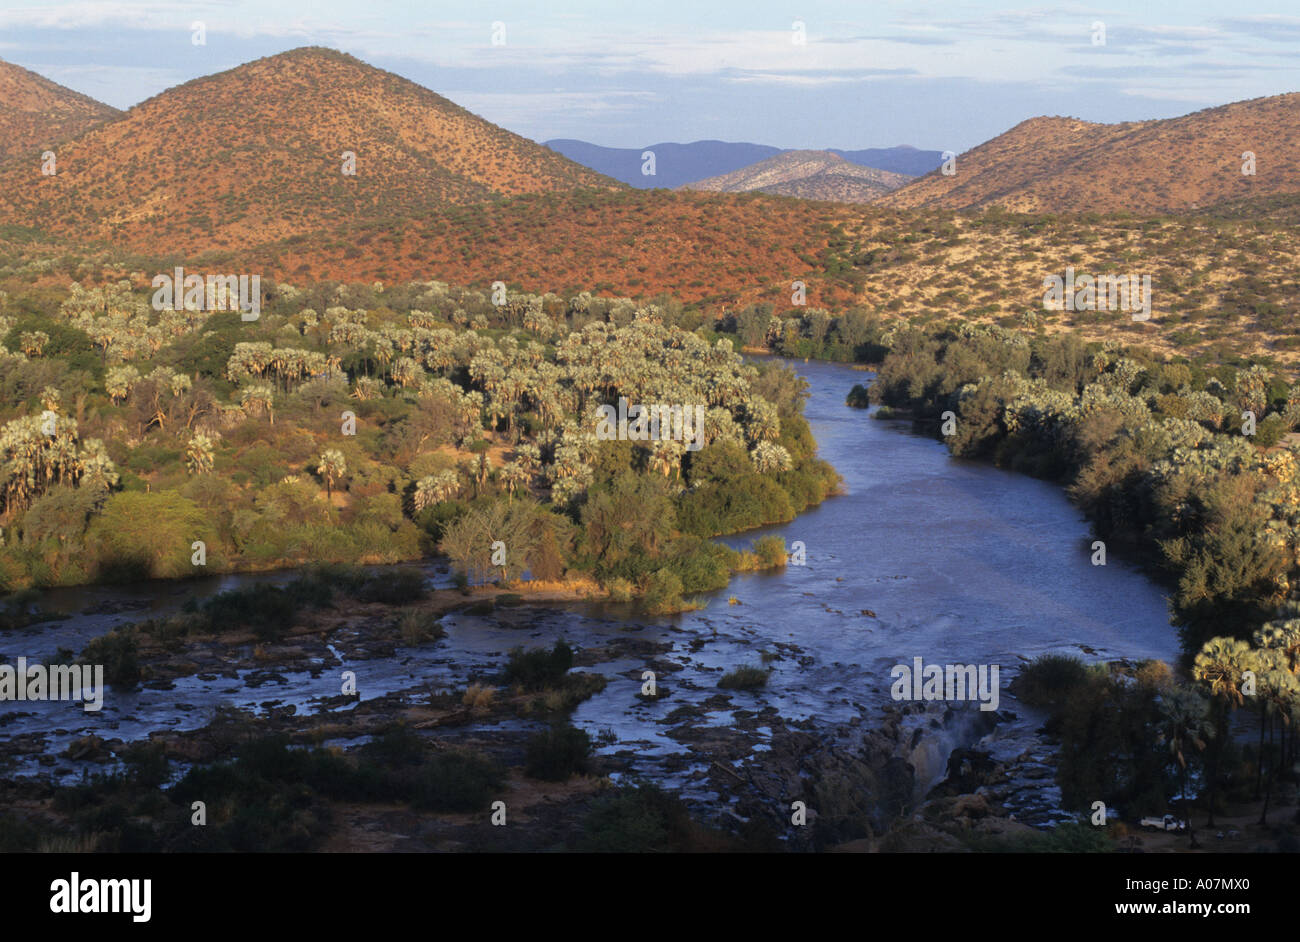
(1167, 823)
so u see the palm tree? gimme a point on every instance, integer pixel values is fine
(768, 457)
(529, 457)
(1186, 726)
(384, 351)
(119, 380)
(763, 424)
(666, 457)
(32, 342)
(436, 488)
(514, 475)
(32, 460)
(537, 322)
(256, 398)
(97, 470)
(566, 489)
(424, 491)
(51, 399)
(332, 467)
(1219, 666)
(198, 454)
(1283, 636)
(1277, 691)
(406, 371)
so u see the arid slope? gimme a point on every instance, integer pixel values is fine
(1175, 164)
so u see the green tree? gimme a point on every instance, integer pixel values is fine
(1219, 667)
(1185, 727)
(332, 467)
(150, 536)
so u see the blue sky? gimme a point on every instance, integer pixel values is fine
(940, 75)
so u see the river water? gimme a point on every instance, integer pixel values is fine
(959, 563)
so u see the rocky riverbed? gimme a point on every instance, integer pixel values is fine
(882, 780)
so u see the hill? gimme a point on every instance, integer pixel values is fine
(258, 153)
(700, 247)
(807, 174)
(36, 114)
(679, 164)
(909, 161)
(1174, 164)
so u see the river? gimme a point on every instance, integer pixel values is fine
(959, 562)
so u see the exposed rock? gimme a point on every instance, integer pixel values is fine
(971, 806)
(90, 748)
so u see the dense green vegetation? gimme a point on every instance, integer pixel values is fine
(362, 424)
(852, 336)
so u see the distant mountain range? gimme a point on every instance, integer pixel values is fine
(679, 164)
(807, 174)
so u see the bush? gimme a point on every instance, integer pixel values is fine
(636, 820)
(701, 565)
(420, 628)
(858, 397)
(456, 782)
(539, 668)
(770, 551)
(149, 536)
(620, 590)
(1071, 837)
(479, 697)
(745, 677)
(747, 501)
(397, 746)
(663, 593)
(148, 764)
(1048, 680)
(1270, 431)
(394, 587)
(266, 609)
(557, 753)
(116, 651)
